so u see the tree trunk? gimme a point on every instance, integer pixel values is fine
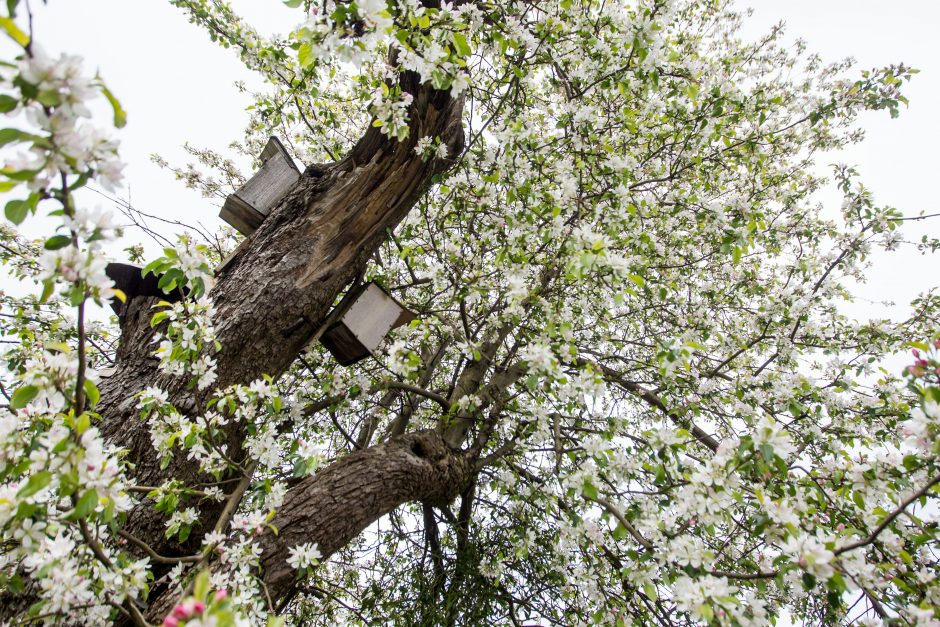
(270, 298)
(282, 281)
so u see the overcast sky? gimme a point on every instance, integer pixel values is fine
(177, 86)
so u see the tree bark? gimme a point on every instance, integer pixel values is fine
(270, 298)
(281, 283)
(336, 504)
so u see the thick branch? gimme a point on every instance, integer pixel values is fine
(336, 504)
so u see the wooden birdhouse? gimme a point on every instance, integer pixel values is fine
(247, 208)
(365, 317)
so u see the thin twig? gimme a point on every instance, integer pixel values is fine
(154, 556)
(889, 519)
(414, 389)
(235, 498)
(616, 513)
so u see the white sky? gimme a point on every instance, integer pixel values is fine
(177, 86)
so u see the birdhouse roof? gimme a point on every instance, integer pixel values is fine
(274, 147)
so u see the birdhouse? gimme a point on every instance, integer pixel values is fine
(363, 320)
(247, 208)
(129, 279)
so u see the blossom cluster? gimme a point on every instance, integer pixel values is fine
(62, 486)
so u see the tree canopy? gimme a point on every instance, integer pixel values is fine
(631, 395)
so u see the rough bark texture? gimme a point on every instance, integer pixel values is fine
(281, 283)
(335, 505)
(270, 298)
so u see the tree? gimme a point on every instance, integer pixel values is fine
(630, 396)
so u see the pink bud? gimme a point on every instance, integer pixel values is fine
(936, 343)
(180, 612)
(802, 562)
(840, 527)
(169, 621)
(921, 363)
(915, 352)
(199, 607)
(221, 594)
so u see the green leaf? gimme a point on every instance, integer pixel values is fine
(85, 506)
(293, 3)
(120, 116)
(91, 391)
(48, 287)
(619, 532)
(305, 55)
(14, 31)
(809, 581)
(16, 211)
(68, 483)
(460, 43)
(84, 421)
(836, 583)
(57, 241)
(19, 175)
(156, 267)
(15, 584)
(23, 395)
(36, 608)
(158, 317)
(202, 586)
(35, 483)
(906, 557)
(9, 135)
(172, 278)
(49, 98)
(589, 490)
(706, 611)
(7, 103)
